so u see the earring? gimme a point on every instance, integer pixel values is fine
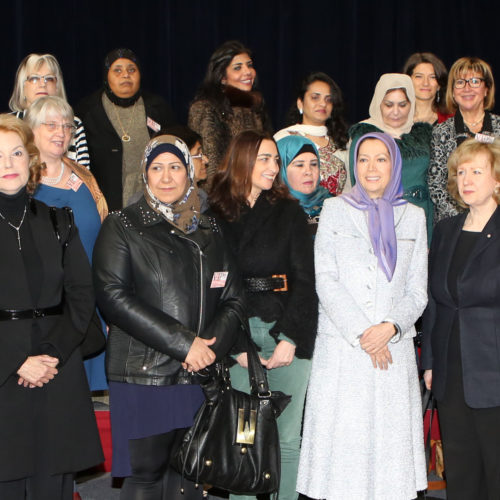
(300, 111)
(438, 96)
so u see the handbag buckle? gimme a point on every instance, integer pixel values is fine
(246, 428)
(285, 283)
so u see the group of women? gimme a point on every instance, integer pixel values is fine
(318, 218)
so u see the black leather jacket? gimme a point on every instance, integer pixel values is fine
(154, 285)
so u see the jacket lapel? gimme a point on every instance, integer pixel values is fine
(489, 235)
(448, 244)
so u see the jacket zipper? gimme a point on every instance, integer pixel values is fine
(201, 283)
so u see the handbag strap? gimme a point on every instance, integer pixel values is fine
(256, 374)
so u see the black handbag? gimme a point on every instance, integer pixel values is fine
(233, 444)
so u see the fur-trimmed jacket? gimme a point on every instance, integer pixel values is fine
(218, 124)
(273, 238)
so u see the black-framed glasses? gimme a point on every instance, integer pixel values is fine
(474, 82)
(35, 79)
(67, 128)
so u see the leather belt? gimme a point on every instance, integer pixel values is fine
(10, 314)
(275, 283)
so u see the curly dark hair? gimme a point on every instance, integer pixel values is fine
(336, 124)
(233, 180)
(439, 103)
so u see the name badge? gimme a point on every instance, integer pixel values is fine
(153, 125)
(219, 279)
(487, 139)
(74, 182)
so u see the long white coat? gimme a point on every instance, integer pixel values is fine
(363, 435)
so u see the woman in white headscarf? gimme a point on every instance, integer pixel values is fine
(392, 111)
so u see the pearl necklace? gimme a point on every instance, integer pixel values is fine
(17, 228)
(52, 181)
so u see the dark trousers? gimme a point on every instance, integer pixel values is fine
(471, 444)
(152, 478)
(38, 487)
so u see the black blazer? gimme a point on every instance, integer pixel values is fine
(105, 145)
(478, 312)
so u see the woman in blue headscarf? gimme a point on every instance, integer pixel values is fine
(300, 171)
(363, 434)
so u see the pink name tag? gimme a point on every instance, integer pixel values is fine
(219, 279)
(74, 182)
(153, 125)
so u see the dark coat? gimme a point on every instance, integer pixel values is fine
(59, 414)
(154, 285)
(105, 145)
(273, 238)
(478, 311)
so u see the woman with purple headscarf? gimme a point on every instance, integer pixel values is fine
(363, 435)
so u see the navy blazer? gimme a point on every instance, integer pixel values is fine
(478, 310)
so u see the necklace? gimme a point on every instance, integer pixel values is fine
(52, 181)
(17, 228)
(472, 125)
(125, 136)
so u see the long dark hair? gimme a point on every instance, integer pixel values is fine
(336, 124)
(212, 87)
(233, 180)
(439, 103)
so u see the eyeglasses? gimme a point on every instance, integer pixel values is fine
(67, 128)
(35, 79)
(199, 156)
(474, 83)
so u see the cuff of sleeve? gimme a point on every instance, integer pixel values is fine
(282, 336)
(397, 336)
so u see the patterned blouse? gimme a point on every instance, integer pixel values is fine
(333, 171)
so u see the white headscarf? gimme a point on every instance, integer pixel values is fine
(387, 82)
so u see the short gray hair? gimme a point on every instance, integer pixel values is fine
(37, 113)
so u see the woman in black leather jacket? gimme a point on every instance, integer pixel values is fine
(166, 284)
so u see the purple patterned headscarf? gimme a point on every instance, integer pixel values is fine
(380, 210)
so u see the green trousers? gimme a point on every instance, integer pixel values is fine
(290, 380)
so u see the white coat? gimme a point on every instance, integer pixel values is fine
(363, 435)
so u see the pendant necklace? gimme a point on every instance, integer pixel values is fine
(17, 228)
(472, 125)
(125, 136)
(52, 181)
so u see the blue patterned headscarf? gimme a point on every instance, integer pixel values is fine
(380, 210)
(185, 212)
(289, 148)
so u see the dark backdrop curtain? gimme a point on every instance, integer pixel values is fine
(354, 41)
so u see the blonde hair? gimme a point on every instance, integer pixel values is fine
(463, 66)
(33, 62)
(467, 151)
(9, 123)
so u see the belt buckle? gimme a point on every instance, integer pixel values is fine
(285, 283)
